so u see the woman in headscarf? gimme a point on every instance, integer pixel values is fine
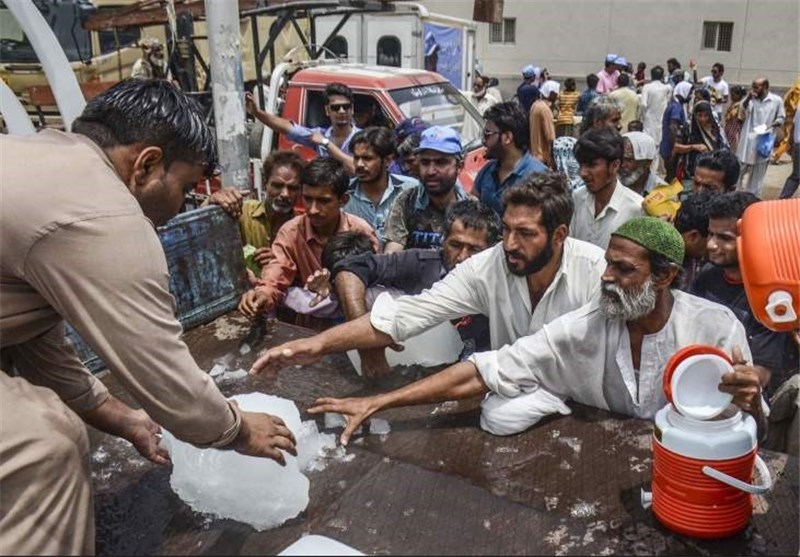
(672, 125)
(704, 135)
(734, 116)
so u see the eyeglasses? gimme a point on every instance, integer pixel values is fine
(343, 107)
(487, 134)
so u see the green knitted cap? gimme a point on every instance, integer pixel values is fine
(655, 235)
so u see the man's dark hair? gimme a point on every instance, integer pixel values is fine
(345, 244)
(150, 112)
(731, 204)
(656, 73)
(325, 171)
(477, 216)
(674, 62)
(509, 117)
(693, 213)
(337, 89)
(635, 126)
(592, 80)
(569, 84)
(720, 66)
(546, 191)
(724, 161)
(599, 143)
(277, 159)
(409, 144)
(623, 80)
(380, 139)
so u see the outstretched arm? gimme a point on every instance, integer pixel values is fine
(358, 334)
(457, 382)
(277, 123)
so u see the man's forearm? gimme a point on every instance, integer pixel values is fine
(459, 381)
(278, 124)
(352, 295)
(353, 335)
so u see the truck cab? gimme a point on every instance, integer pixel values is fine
(400, 93)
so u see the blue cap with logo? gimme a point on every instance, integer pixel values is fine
(440, 138)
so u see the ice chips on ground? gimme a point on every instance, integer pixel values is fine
(436, 346)
(253, 490)
(379, 427)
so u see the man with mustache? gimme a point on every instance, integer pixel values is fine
(635, 172)
(374, 188)
(417, 216)
(537, 274)
(259, 221)
(609, 354)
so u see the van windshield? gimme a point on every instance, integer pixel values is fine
(65, 20)
(441, 104)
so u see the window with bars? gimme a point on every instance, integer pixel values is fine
(717, 35)
(504, 32)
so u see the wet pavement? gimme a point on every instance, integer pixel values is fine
(436, 484)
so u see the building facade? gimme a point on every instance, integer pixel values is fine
(571, 37)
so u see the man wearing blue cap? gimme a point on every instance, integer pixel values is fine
(528, 91)
(608, 75)
(417, 216)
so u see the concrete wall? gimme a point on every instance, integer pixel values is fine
(571, 37)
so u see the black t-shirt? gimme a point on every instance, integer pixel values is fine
(776, 351)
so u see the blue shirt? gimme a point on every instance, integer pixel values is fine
(490, 191)
(674, 111)
(585, 100)
(362, 206)
(302, 135)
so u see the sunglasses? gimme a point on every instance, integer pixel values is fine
(487, 134)
(343, 107)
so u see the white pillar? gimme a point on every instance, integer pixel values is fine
(56, 66)
(227, 87)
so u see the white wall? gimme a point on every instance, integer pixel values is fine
(571, 37)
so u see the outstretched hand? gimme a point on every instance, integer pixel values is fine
(253, 302)
(354, 410)
(230, 199)
(144, 434)
(303, 351)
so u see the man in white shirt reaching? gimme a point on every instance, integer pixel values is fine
(537, 274)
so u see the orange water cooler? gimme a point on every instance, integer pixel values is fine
(704, 451)
(769, 258)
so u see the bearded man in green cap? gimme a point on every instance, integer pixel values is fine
(609, 354)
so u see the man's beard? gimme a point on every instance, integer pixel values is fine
(628, 304)
(537, 264)
(280, 207)
(630, 178)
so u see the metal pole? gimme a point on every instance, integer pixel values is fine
(60, 76)
(227, 88)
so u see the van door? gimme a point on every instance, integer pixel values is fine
(392, 40)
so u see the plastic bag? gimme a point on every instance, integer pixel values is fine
(764, 144)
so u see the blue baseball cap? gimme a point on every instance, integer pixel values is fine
(621, 61)
(611, 58)
(528, 71)
(440, 138)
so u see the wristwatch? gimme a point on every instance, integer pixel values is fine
(325, 142)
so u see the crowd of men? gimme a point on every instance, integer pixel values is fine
(560, 284)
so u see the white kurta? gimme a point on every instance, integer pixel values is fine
(768, 112)
(587, 357)
(655, 97)
(624, 205)
(483, 285)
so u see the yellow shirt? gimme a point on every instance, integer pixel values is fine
(259, 223)
(567, 101)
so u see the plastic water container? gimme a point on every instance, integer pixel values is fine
(769, 258)
(704, 451)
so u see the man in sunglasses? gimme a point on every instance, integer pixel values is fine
(505, 136)
(339, 110)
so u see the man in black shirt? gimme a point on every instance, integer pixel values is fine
(722, 283)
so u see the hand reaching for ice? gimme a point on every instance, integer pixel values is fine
(354, 410)
(264, 435)
(144, 435)
(303, 351)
